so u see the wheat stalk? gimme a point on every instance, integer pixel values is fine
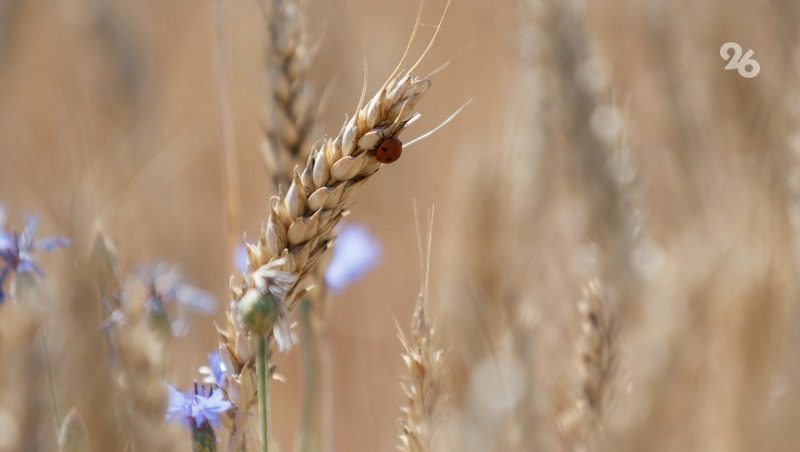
(229, 160)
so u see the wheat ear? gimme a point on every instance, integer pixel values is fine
(301, 221)
(139, 350)
(298, 231)
(424, 363)
(597, 357)
(291, 118)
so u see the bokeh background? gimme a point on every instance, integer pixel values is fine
(109, 116)
(109, 112)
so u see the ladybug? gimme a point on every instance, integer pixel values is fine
(389, 150)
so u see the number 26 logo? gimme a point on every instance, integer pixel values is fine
(745, 65)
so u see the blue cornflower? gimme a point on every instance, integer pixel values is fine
(355, 253)
(240, 258)
(17, 249)
(166, 284)
(160, 285)
(195, 408)
(215, 371)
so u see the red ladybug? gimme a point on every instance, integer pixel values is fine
(389, 150)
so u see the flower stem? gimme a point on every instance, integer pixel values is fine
(25, 289)
(311, 371)
(263, 391)
(51, 383)
(204, 439)
(328, 439)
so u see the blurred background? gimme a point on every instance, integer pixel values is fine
(606, 147)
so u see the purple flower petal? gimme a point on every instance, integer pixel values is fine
(240, 258)
(179, 406)
(3, 275)
(51, 243)
(210, 408)
(29, 232)
(195, 409)
(194, 298)
(169, 286)
(27, 265)
(17, 249)
(6, 241)
(355, 253)
(217, 368)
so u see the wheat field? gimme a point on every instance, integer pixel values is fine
(317, 226)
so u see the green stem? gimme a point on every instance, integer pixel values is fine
(325, 351)
(204, 439)
(326, 388)
(310, 371)
(51, 383)
(263, 391)
(26, 291)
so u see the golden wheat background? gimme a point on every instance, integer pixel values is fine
(609, 183)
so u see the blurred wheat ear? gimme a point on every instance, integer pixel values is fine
(25, 413)
(291, 116)
(423, 359)
(553, 215)
(140, 347)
